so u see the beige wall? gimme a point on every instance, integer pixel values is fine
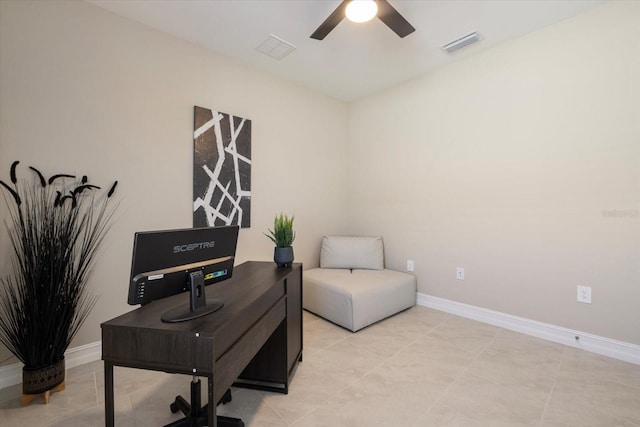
(520, 164)
(85, 91)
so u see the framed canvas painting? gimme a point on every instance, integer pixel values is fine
(221, 169)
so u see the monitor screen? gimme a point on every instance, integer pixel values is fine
(169, 262)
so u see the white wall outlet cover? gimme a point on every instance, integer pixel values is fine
(409, 265)
(584, 294)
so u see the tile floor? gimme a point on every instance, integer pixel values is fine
(419, 368)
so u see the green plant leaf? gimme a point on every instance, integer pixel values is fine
(282, 234)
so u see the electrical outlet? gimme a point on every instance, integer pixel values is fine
(460, 273)
(409, 265)
(584, 294)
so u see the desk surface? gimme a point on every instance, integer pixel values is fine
(247, 295)
(224, 341)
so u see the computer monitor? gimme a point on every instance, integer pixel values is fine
(169, 262)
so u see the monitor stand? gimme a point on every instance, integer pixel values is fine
(199, 305)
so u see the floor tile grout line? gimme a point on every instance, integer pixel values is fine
(95, 387)
(462, 371)
(431, 329)
(315, 407)
(369, 372)
(263, 400)
(553, 387)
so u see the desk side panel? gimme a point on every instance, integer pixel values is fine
(240, 354)
(272, 366)
(294, 318)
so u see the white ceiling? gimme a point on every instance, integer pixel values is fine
(354, 60)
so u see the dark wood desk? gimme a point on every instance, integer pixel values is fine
(256, 336)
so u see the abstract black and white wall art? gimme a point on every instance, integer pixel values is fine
(221, 169)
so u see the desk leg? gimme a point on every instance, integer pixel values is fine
(211, 407)
(108, 394)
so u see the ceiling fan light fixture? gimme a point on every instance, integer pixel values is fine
(361, 10)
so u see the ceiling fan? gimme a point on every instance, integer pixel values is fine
(384, 11)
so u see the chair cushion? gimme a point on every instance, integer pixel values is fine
(352, 252)
(358, 298)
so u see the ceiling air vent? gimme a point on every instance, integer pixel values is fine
(275, 47)
(462, 42)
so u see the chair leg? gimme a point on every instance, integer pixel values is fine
(196, 415)
(184, 422)
(226, 397)
(180, 404)
(229, 422)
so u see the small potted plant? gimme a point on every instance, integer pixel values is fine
(283, 236)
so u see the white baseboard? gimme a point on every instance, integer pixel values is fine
(596, 344)
(12, 374)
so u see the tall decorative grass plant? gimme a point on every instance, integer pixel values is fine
(55, 228)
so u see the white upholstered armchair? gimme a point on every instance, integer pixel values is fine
(352, 288)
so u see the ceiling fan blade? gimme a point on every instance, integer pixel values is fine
(331, 22)
(393, 19)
